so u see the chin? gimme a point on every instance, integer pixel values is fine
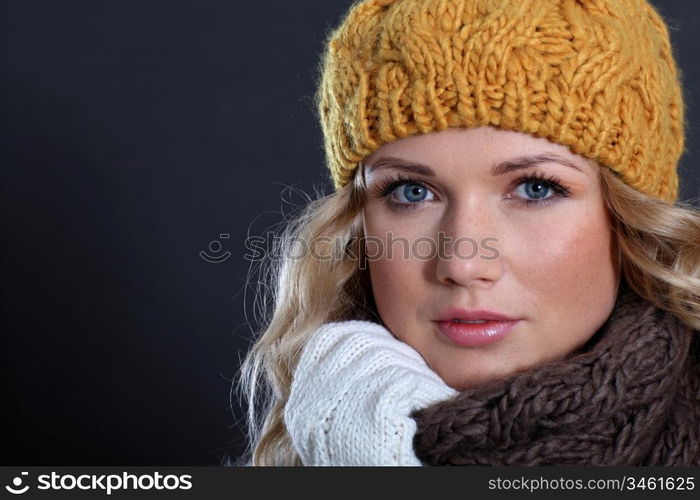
(462, 381)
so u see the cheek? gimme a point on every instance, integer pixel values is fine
(568, 266)
(398, 279)
(397, 287)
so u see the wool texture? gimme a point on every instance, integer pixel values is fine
(630, 397)
(352, 394)
(595, 75)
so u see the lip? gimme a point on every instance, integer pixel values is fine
(475, 335)
(472, 314)
(496, 327)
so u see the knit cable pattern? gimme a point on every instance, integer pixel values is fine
(596, 75)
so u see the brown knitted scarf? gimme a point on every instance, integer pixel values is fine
(631, 396)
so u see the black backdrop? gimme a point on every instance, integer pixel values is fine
(133, 136)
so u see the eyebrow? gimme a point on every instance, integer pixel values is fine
(501, 168)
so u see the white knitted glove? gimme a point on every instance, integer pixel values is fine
(352, 393)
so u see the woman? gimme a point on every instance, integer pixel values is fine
(504, 274)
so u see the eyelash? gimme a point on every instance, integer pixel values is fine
(387, 187)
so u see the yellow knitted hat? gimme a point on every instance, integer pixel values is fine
(595, 75)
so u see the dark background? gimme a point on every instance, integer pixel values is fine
(133, 135)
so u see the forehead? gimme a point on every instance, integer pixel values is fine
(476, 149)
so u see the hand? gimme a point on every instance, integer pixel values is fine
(352, 395)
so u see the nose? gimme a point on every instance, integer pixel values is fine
(471, 248)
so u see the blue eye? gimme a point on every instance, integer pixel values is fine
(411, 193)
(535, 189)
(404, 192)
(530, 190)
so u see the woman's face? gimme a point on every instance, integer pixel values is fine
(487, 219)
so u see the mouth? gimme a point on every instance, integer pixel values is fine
(476, 333)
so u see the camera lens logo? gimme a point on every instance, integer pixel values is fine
(17, 483)
(215, 248)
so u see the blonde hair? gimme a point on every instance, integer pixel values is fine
(305, 292)
(660, 251)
